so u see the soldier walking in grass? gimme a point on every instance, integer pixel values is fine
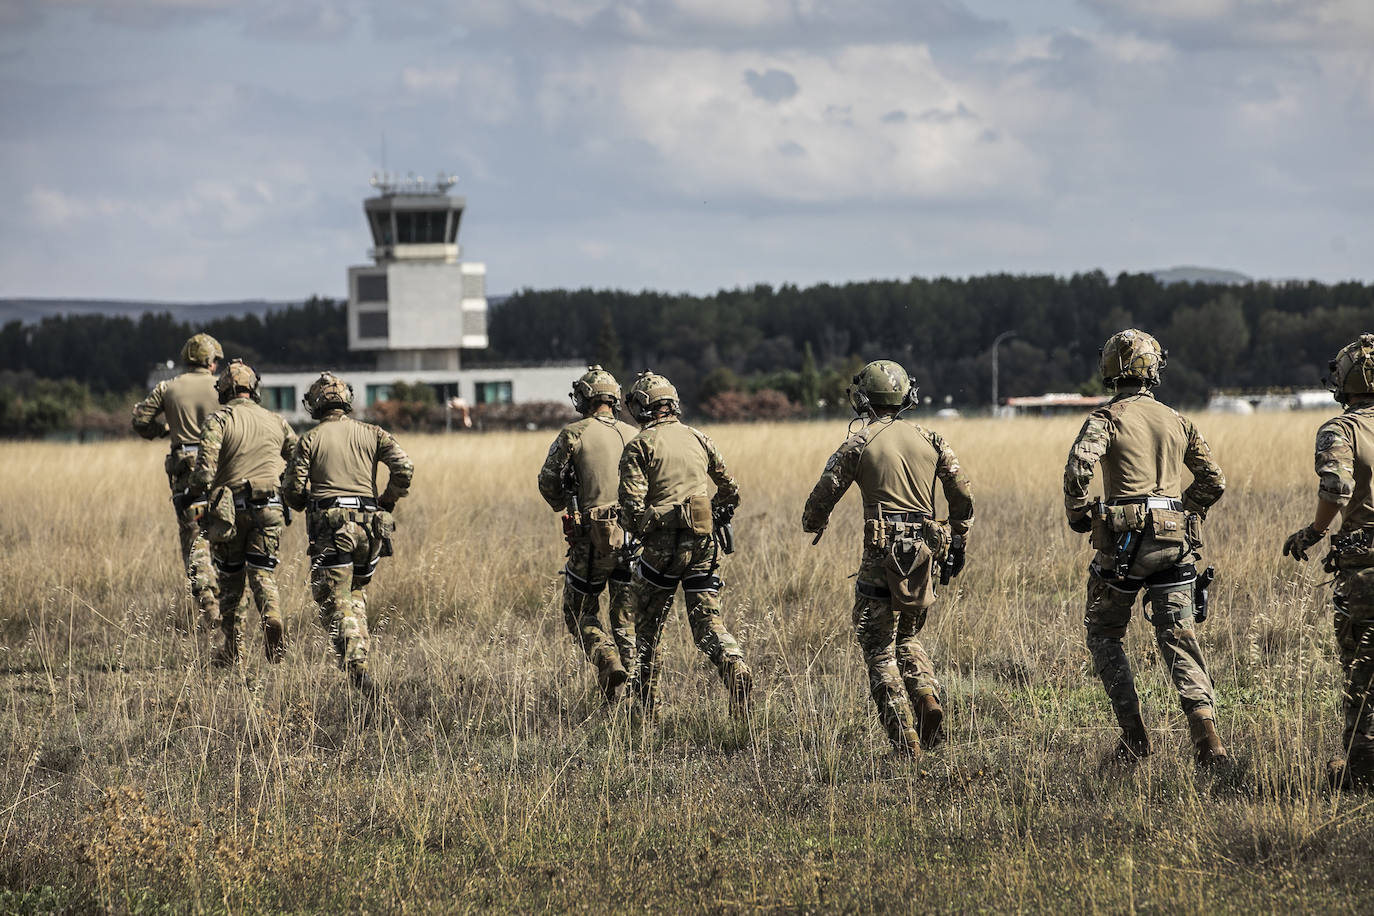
(1345, 446)
(895, 463)
(333, 475)
(665, 475)
(581, 475)
(177, 408)
(243, 452)
(1147, 532)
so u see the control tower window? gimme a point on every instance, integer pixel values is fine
(421, 227)
(381, 229)
(372, 325)
(371, 287)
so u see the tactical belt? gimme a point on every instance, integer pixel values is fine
(189, 448)
(365, 503)
(909, 518)
(874, 591)
(1164, 579)
(1150, 502)
(242, 503)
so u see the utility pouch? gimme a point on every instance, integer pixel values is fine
(1193, 526)
(906, 567)
(383, 526)
(696, 514)
(220, 516)
(603, 527)
(258, 492)
(875, 534)
(1352, 550)
(937, 537)
(1168, 526)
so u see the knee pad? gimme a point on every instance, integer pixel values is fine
(365, 570)
(702, 582)
(656, 578)
(583, 586)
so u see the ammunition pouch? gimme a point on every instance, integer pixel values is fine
(1351, 550)
(1116, 519)
(602, 526)
(1169, 526)
(693, 514)
(909, 543)
(181, 461)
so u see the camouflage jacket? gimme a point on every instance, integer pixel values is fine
(1143, 446)
(1344, 447)
(661, 466)
(843, 469)
(243, 441)
(339, 457)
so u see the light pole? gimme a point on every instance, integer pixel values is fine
(995, 342)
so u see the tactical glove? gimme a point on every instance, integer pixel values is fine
(954, 558)
(1299, 541)
(1081, 523)
(388, 505)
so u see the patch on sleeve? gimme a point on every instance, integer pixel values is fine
(1327, 438)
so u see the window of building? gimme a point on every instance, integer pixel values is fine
(421, 227)
(372, 325)
(493, 392)
(281, 398)
(381, 229)
(377, 393)
(371, 287)
(445, 390)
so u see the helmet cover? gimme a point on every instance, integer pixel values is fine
(201, 350)
(648, 392)
(1352, 371)
(596, 386)
(1131, 354)
(326, 393)
(882, 383)
(237, 377)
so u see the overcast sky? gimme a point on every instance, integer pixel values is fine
(220, 149)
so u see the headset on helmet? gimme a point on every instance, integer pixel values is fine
(1352, 371)
(650, 392)
(326, 393)
(201, 350)
(882, 383)
(596, 386)
(1131, 354)
(237, 377)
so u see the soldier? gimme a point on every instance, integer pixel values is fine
(243, 452)
(665, 472)
(177, 408)
(1344, 447)
(581, 474)
(1147, 534)
(895, 463)
(333, 474)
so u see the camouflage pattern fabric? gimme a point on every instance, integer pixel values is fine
(679, 554)
(339, 458)
(1109, 610)
(250, 558)
(640, 509)
(582, 610)
(1339, 441)
(899, 670)
(195, 549)
(1354, 626)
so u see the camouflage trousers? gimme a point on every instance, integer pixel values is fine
(345, 548)
(1171, 610)
(1354, 625)
(589, 571)
(249, 559)
(195, 549)
(899, 670)
(669, 558)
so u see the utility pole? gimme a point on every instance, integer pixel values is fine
(995, 342)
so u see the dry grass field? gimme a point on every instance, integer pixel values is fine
(135, 778)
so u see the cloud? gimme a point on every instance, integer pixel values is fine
(831, 140)
(1291, 23)
(771, 85)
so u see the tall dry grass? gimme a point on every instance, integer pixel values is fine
(136, 778)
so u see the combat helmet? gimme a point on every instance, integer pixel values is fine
(326, 393)
(649, 392)
(596, 386)
(1131, 354)
(1351, 373)
(237, 377)
(201, 350)
(882, 383)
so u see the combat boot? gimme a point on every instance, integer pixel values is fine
(929, 721)
(362, 681)
(274, 640)
(1207, 748)
(1134, 743)
(907, 743)
(739, 681)
(610, 674)
(226, 655)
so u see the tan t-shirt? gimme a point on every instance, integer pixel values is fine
(896, 471)
(254, 444)
(339, 458)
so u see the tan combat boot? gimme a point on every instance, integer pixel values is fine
(929, 721)
(226, 655)
(1134, 743)
(274, 639)
(1207, 748)
(907, 744)
(739, 680)
(610, 674)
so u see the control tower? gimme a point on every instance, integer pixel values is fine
(417, 305)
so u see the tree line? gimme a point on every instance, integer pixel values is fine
(762, 351)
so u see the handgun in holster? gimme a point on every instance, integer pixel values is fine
(722, 520)
(572, 519)
(1200, 596)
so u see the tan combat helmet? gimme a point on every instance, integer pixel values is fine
(1131, 354)
(596, 386)
(1352, 371)
(201, 350)
(649, 392)
(237, 378)
(326, 393)
(882, 383)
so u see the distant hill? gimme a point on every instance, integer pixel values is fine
(32, 311)
(1198, 275)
